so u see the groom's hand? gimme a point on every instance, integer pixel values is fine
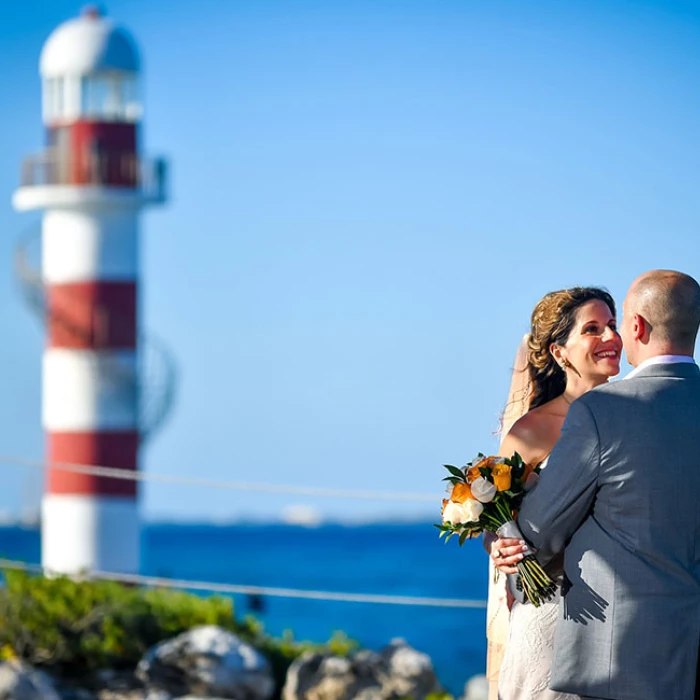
(506, 553)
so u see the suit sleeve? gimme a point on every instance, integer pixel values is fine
(566, 489)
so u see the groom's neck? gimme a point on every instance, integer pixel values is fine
(647, 352)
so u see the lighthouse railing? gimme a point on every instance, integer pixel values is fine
(91, 167)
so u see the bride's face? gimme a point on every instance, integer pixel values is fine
(594, 346)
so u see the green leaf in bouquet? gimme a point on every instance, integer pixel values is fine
(517, 466)
(454, 480)
(463, 537)
(455, 471)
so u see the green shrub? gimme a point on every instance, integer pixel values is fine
(75, 627)
(282, 652)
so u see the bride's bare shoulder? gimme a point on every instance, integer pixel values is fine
(533, 435)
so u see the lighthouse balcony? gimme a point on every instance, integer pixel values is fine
(52, 179)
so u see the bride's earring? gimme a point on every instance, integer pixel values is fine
(567, 365)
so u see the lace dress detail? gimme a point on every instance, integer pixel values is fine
(527, 665)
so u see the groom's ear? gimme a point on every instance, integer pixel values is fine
(640, 327)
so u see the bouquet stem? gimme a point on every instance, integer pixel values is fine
(533, 580)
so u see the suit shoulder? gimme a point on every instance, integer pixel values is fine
(607, 393)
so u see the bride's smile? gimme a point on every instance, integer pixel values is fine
(594, 346)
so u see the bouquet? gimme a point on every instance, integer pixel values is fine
(486, 494)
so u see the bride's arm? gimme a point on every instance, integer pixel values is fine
(526, 439)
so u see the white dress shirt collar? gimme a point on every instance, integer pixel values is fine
(661, 360)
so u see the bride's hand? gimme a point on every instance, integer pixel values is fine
(506, 553)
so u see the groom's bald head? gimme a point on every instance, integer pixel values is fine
(669, 302)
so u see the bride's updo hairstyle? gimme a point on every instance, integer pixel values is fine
(552, 322)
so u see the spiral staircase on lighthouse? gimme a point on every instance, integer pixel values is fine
(157, 377)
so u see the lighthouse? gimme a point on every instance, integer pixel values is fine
(91, 184)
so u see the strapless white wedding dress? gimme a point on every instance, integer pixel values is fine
(527, 664)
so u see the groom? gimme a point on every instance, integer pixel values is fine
(621, 497)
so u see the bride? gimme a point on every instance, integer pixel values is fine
(573, 346)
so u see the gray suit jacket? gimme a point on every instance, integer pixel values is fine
(621, 497)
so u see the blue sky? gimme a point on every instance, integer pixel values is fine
(367, 201)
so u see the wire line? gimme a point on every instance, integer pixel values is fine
(258, 590)
(131, 475)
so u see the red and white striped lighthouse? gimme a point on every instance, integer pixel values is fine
(91, 184)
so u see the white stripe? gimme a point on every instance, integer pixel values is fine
(87, 246)
(87, 390)
(82, 533)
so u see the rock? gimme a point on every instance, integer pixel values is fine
(207, 661)
(138, 694)
(476, 688)
(72, 693)
(410, 672)
(134, 695)
(111, 684)
(398, 671)
(19, 681)
(157, 695)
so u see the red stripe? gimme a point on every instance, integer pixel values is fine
(92, 315)
(97, 153)
(113, 449)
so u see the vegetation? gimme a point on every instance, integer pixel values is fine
(73, 628)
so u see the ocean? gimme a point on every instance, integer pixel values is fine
(388, 559)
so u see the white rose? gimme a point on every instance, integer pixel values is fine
(471, 510)
(483, 490)
(457, 513)
(448, 512)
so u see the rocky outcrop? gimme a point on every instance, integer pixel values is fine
(210, 662)
(213, 664)
(398, 671)
(476, 688)
(19, 681)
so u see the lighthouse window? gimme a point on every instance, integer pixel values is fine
(111, 97)
(132, 103)
(53, 98)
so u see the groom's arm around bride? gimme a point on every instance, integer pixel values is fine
(621, 497)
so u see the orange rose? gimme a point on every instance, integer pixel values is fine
(461, 492)
(485, 462)
(444, 503)
(501, 477)
(473, 473)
